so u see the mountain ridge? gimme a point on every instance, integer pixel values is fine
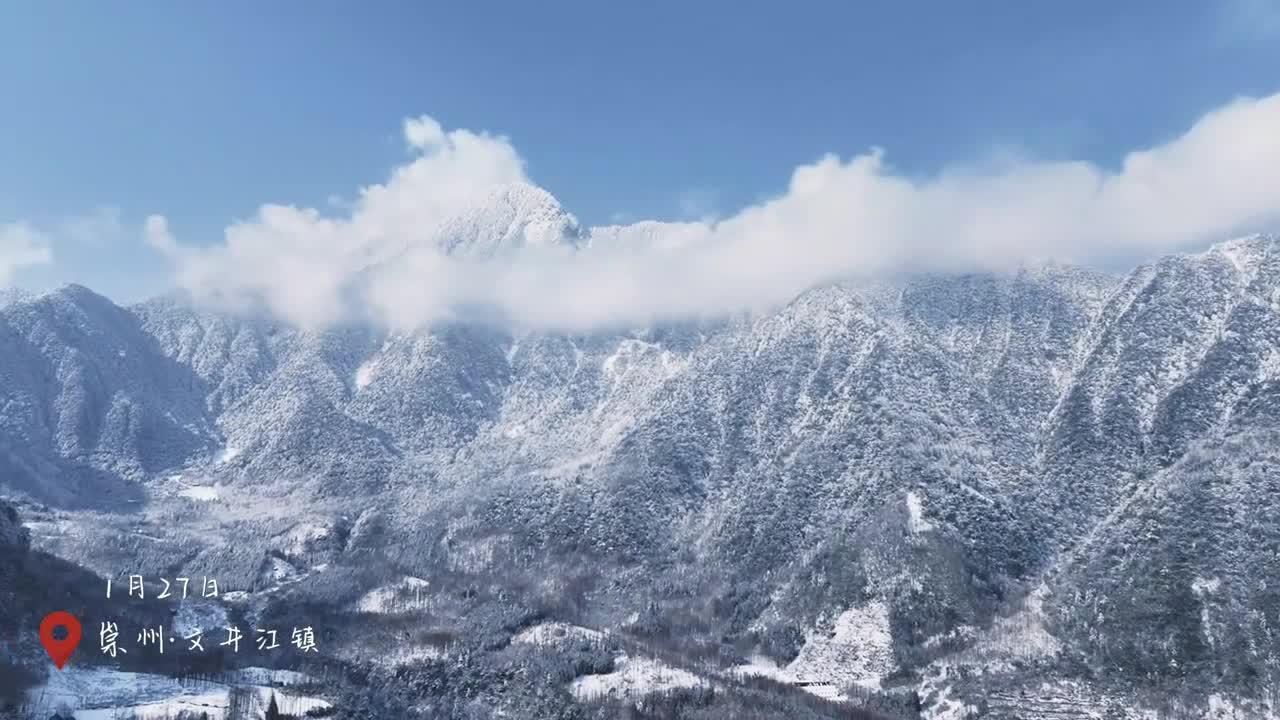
(927, 450)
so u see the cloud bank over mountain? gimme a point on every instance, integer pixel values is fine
(410, 251)
(21, 246)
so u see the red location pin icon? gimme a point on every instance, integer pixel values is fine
(60, 649)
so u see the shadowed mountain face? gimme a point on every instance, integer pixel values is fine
(91, 403)
(933, 447)
(14, 544)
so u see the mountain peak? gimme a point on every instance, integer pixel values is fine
(510, 217)
(1245, 253)
(79, 296)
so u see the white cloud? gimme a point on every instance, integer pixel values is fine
(21, 246)
(301, 264)
(837, 218)
(424, 133)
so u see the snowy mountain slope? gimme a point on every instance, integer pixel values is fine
(928, 446)
(1193, 557)
(1171, 358)
(1167, 606)
(229, 355)
(91, 404)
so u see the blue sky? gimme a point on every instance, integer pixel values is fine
(203, 111)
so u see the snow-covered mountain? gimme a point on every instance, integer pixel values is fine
(500, 221)
(916, 454)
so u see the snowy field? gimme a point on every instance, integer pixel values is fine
(105, 694)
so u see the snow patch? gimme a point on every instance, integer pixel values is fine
(1204, 590)
(857, 650)
(405, 655)
(915, 512)
(408, 594)
(1203, 586)
(364, 374)
(634, 678)
(1269, 368)
(1222, 707)
(202, 493)
(761, 666)
(554, 633)
(279, 571)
